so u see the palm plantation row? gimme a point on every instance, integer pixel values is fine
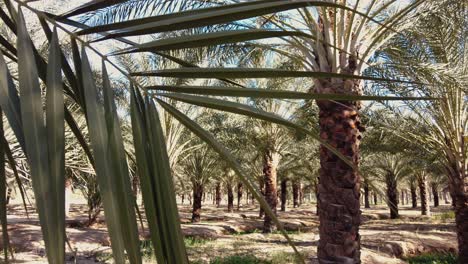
(168, 100)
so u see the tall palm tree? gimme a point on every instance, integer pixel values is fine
(392, 169)
(335, 46)
(437, 45)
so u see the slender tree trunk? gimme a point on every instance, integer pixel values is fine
(261, 183)
(435, 194)
(402, 199)
(296, 194)
(68, 192)
(392, 196)
(445, 194)
(339, 186)
(240, 191)
(375, 198)
(183, 198)
(366, 195)
(230, 194)
(284, 194)
(414, 197)
(197, 201)
(8, 197)
(422, 182)
(270, 164)
(301, 193)
(218, 194)
(317, 204)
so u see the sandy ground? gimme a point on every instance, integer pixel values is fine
(383, 240)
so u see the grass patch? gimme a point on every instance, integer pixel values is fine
(239, 259)
(450, 215)
(432, 258)
(195, 241)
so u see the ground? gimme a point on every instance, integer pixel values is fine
(225, 234)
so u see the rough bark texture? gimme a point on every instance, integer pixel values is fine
(296, 193)
(422, 182)
(458, 185)
(197, 201)
(435, 194)
(339, 186)
(218, 194)
(230, 194)
(317, 206)
(284, 194)
(240, 192)
(261, 183)
(270, 164)
(414, 196)
(366, 195)
(392, 196)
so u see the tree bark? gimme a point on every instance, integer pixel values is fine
(261, 183)
(339, 186)
(422, 182)
(197, 201)
(445, 194)
(218, 194)
(414, 197)
(366, 195)
(317, 204)
(230, 194)
(284, 194)
(296, 193)
(375, 198)
(270, 164)
(240, 191)
(435, 194)
(392, 196)
(402, 199)
(183, 198)
(458, 186)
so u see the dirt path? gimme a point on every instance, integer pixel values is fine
(221, 234)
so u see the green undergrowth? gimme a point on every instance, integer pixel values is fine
(433, 258)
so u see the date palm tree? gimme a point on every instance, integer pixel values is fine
(437, 45)
(334, 41)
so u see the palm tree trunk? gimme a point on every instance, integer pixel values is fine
(270, 164)
(445, 194)
(284, 194)
(339, 186)
(240, 191)
(458, 186)
(402, 197)
(218, 194)
(422, 182)
(317, 208)
(261, 183)
(414, 197)
(230, 194)
(183, 198)
(392, 196)
(295, 189)
(197, 201)
(375, 198)
(435, 194)
(366, 195)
